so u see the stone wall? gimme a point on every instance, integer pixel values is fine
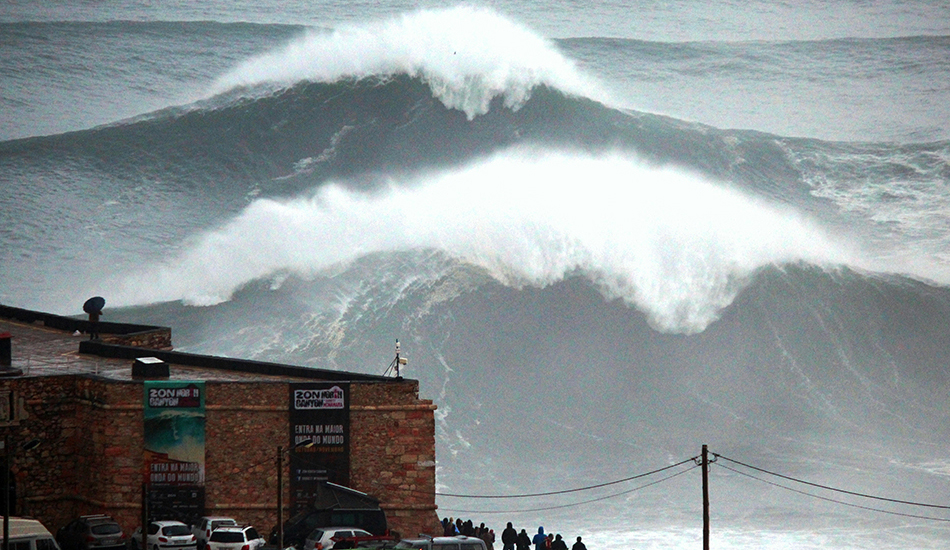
(90, 455)
(90, 459)
(159, 338)
(125, 334)
(393, 455)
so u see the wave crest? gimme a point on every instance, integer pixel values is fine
(672, 244)
(467, 56)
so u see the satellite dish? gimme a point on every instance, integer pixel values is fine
(94, 304)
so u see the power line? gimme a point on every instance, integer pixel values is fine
(835, 489)
(831, 499)
(571, 490)
(544, 509)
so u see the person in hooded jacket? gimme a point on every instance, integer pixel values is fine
(558, 543)
(540, 540)
(508, 537)
(524, 541)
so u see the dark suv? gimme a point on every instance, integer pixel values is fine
(98, 532)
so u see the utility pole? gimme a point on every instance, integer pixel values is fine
(280, 498)
(6, 492)
(705, 465)
(7, 463)
(143, 544)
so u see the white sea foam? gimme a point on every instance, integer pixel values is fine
(468, 56)
(671, 243)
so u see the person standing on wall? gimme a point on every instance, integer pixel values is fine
(94, 324)
(93, 307)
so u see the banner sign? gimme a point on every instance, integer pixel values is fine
(319, 437)
(175, 449)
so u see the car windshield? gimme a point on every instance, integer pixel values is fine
(227, 536)
(106, 529)
(175, 530)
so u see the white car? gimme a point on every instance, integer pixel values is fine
(165, 535)
(202, 530)
(235, 538)
(323, 538)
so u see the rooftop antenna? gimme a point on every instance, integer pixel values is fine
(397, 361)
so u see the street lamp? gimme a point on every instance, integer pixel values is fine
(7, 453)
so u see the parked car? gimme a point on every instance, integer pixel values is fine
(29, 534)
(94, 532)
(202, 530)
(297, 528)
(443, 543)
(323, 538)
(235, 537)
(165, 535)
(333, 504)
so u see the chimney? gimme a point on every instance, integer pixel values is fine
(150, 367)
(6, 355)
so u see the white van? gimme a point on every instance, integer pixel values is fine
(29, 534)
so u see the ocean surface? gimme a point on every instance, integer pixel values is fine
(604, 234)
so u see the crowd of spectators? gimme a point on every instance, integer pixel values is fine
(511, 539)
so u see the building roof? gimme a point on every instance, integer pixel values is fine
(44, 344)
(330, 496)
(26, 527)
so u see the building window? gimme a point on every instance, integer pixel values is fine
(7, 407)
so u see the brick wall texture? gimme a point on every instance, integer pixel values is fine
(90, 459)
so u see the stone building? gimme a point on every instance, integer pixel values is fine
(72, 414)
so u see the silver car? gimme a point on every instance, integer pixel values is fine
(443, 543)
(95, 532)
